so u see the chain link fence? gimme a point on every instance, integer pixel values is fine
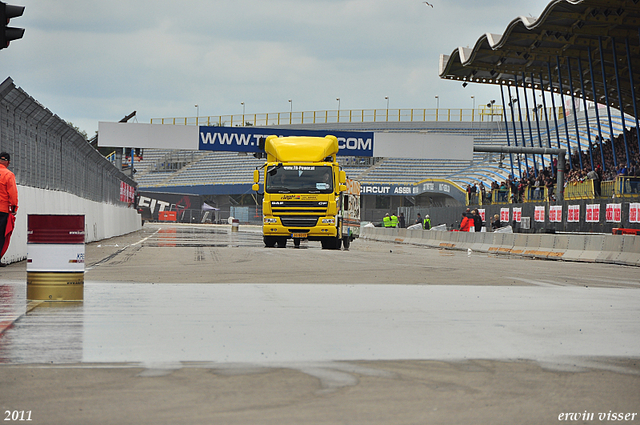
(48, 153)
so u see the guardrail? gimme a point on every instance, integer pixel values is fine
(612, 249)
(621, 187)
(482, 114)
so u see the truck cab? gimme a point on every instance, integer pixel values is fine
(303, 192)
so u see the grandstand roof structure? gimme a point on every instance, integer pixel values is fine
(575, 46)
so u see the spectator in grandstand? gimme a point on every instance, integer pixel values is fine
(477, 221)
(537, 187)
(401, 223)
(593, 175)
(513, 187)
(8, 203)
(622, 170)
(550, 185)
(495, 223)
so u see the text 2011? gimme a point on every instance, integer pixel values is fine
(17, 415)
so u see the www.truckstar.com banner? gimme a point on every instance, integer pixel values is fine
(388, 144)
(245, 139)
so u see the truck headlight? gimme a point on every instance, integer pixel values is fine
(270, 220)
(328, 221)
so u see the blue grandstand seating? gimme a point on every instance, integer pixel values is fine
(211, 168)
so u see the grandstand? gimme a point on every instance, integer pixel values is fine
(198, 171)
(166, 169)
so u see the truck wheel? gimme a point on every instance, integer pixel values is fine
(269, 241)
(282, 242)
(346, 242)
(296, 242)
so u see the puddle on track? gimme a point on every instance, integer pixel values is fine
(253, 323)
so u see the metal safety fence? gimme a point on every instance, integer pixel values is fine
(621, 187)
(48, 153)
(481, 114)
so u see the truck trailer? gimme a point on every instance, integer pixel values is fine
(306, 194)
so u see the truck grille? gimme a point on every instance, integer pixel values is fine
(299, 207)
(298, 221)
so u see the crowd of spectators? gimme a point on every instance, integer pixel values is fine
(545, 177)
(612, 169)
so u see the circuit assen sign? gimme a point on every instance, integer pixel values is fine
(438, 187)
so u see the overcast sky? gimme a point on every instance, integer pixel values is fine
(90, 61)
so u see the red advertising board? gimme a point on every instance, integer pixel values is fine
(573, 213)
(614, 213)
(504, 215)
(634, 212)
(538, 214)
(517, 214)
(555, 213)
(593, 213)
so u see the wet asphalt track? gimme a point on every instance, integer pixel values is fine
(173, 298)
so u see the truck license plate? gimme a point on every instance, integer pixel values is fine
(299, 235)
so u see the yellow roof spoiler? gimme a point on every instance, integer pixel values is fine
(301, 149)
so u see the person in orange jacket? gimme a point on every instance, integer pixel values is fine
(466, 223)
(8, 202)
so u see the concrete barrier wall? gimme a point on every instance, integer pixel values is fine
(612, 249)
(102, 221)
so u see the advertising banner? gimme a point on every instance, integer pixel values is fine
(517, 214)
(158, 202)
(126, 192)
(245, 139)
(614, 213)
(593, 213)
(634, 212)
(504, 215)
(555, 213)
(538, 214)
(396, 144)
(573, 213)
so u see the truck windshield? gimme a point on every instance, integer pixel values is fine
(299, 179)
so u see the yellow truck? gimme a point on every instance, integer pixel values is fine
(306, 194)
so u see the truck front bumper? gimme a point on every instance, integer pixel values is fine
(326, 227)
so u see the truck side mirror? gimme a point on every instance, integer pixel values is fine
(343, 176)
(255, 187)
(256, 176)
(343, 188)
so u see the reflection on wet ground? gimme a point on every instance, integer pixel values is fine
(194, 237)
(156, 324)
(217, 237)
